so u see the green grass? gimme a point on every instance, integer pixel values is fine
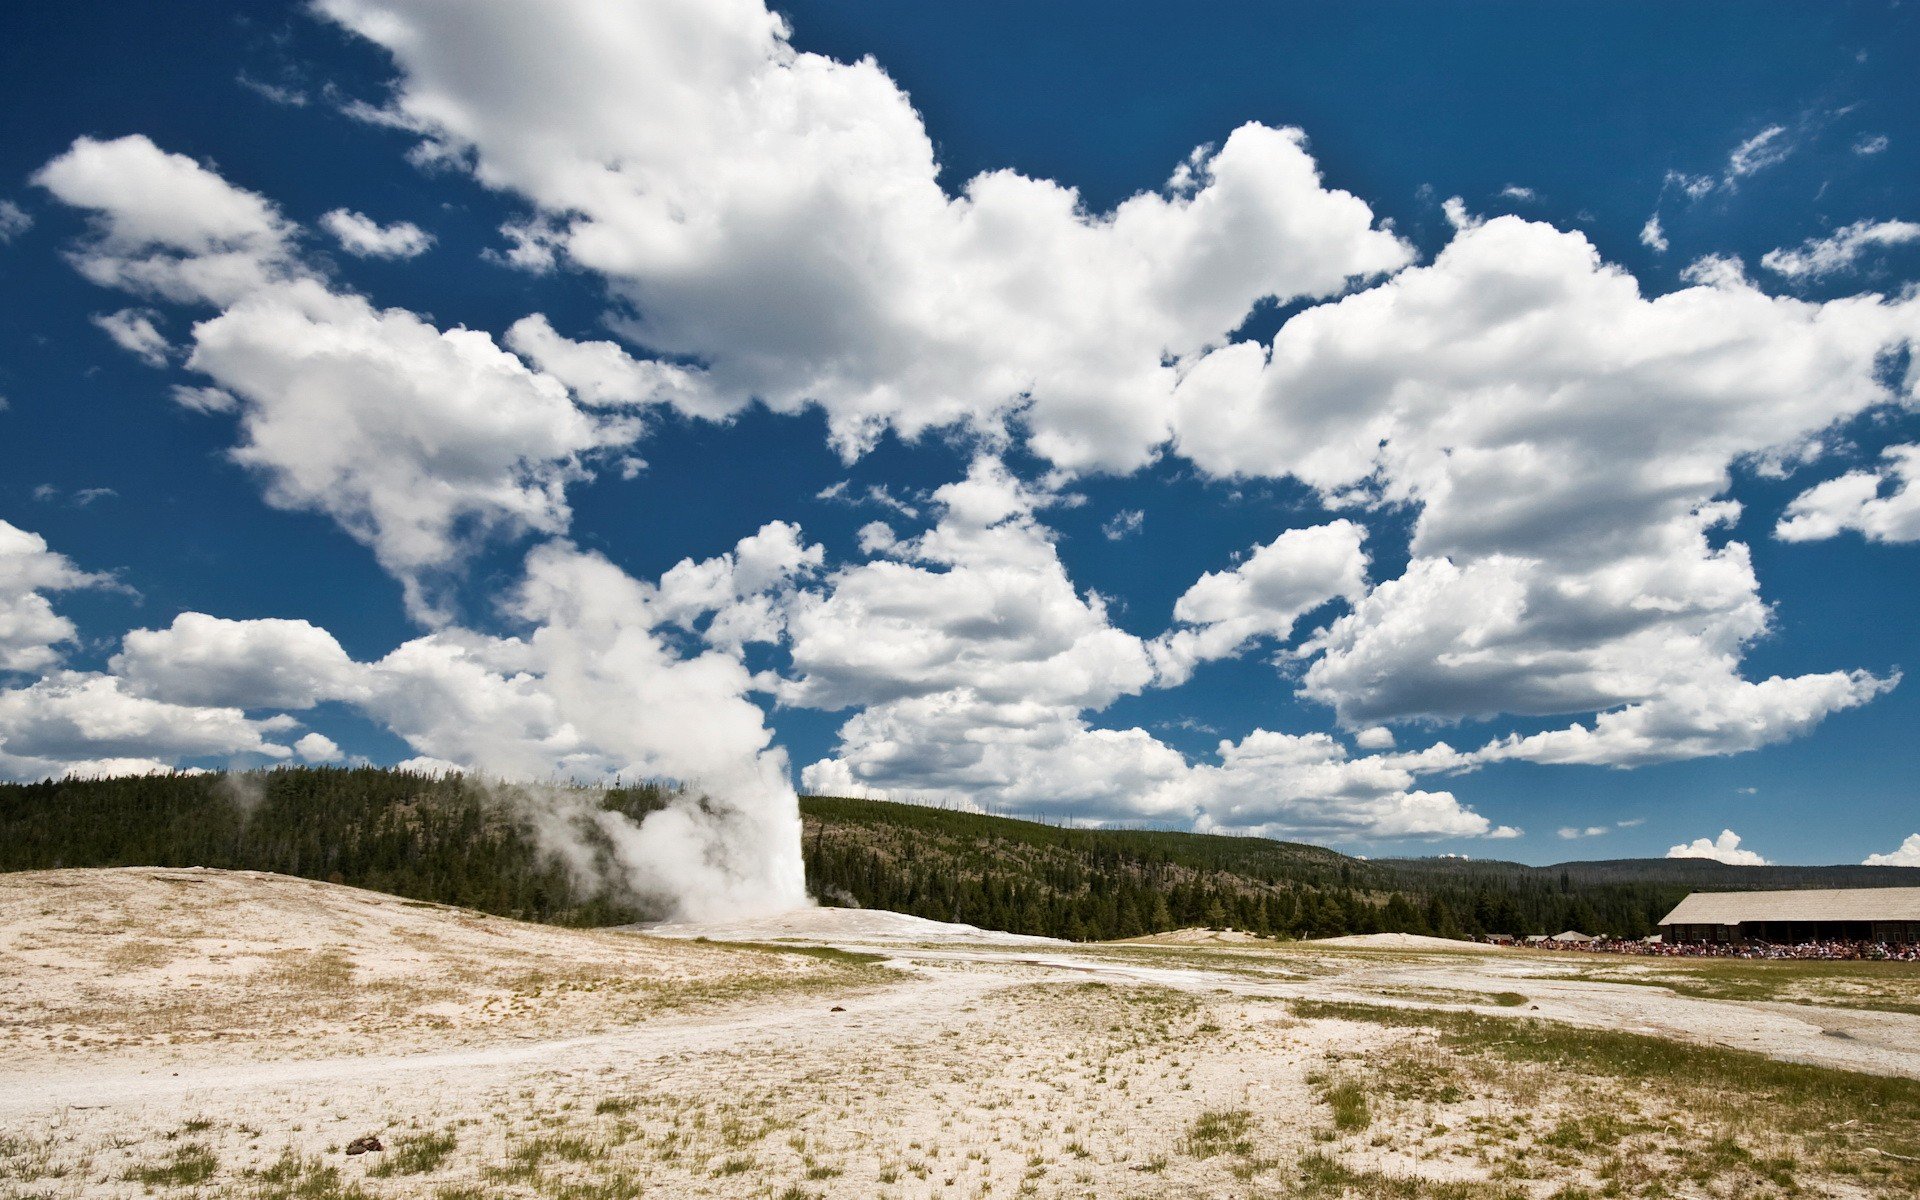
(1348, 1099)
(1877, 986)
(1848, 1123)
(416, 1154)
(296, 1178)
(189, 1165)
(1221, 1131)
(1323, 1177)
(849, 958)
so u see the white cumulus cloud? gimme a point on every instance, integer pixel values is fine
(133, 330)
(1907, 855)
(1817, 258)
(1725, 848)
(1262, 597)
(364, 237)
(31, 632)
(713, 175)
(1881, 505)
(317, 748)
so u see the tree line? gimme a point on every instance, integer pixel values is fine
(458, 840)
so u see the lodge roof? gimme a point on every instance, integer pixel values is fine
(1827, 904)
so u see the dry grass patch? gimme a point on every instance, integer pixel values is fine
(1527, 1101)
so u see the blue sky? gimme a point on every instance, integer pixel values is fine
(1570, 499)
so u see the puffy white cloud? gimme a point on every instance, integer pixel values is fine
(1653, 236)
(1374, 737)
(165, 225)
(1570, 832)
(1564, 440)
(112, 768)
(72, 720)
(955, 748)
(1817, 258)
(777, 215)
(416, 440)
(1725, 848)
(1455, 380)
(133, 330)
(974, 661)
(972, 656)
(30, 629)
(979, 603)
(1908, 855)
(317, 748)
(270, 663)
(745, 591)
(1856, 501)
(1277, 784)
(1870, 143)
(1699, 720)
(877, 537)
(603, 374)
(1262, 597)
(364, 237)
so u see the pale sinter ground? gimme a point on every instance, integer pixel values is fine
(202, 1033)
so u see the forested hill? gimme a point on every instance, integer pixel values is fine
(1035, 878)
(459, 841)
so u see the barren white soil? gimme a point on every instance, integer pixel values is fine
(1405, 941)
(203, 1033)
(864, 925)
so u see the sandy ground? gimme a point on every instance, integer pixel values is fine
(967, 1065)
(157, 964)
(1405, 941)
(862, 925)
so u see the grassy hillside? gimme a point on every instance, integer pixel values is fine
(458, 841)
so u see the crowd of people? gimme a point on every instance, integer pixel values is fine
(1843, 951)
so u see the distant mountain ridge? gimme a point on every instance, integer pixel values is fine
(1697, 873)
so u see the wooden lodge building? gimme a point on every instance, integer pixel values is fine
(1787, 917)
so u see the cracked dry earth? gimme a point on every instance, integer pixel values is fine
(172, 1033)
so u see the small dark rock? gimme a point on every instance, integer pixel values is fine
(363, 1145)
(1534, 1007)
(837, 1008)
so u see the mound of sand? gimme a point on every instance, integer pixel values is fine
(1405, 941)
(154, 959)
(835, 925)
(1196, 937)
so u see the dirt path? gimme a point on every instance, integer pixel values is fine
(973, 1066)
(927, 998)
(942, 981)
(1875, 1042)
